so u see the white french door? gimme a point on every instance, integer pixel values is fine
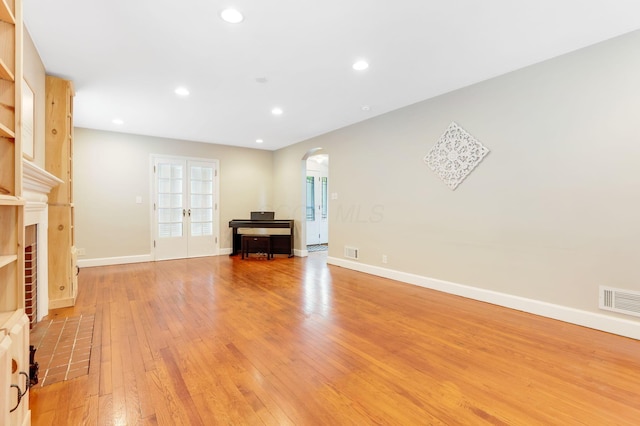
(317, 208)
(185, 208)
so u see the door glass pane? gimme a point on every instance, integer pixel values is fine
(164, 230)
(196, 187)
(311, 200)
(207, 174)
(164, 171)
(164, 185)
(196, 173)
(170, 201)
(201, 200)
(176, 186)
(176, 201)
(207, 228)
(201, 229)
(201, 187)
(164, 200)
(169, 215)
(201, 215)
(167, 230)
(324, 197)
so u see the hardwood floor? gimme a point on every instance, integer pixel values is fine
(221, 340)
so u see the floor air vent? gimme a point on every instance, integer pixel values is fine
(350, 252)
(618, 300)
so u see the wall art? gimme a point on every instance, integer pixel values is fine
(455, 155)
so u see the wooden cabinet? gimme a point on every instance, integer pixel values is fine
(14, 328)
(18, 351)
(14, 372)
(5, 378)
(11, 205)
(63, 288)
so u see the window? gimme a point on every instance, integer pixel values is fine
(311, 196)
(324, 182)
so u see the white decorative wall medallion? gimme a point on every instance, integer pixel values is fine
(455, 155)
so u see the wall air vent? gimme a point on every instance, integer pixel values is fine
(619, 300)
(351, 252)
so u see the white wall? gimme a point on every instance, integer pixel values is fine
(112, 169)
(550, 214)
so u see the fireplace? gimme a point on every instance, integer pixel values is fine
(37, 183)
(31, 273)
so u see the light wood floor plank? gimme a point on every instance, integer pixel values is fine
(222, 340)
(105, 410)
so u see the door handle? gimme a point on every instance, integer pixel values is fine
(21, 393)
(189, 212)
(184, 212)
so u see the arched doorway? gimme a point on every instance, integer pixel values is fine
(316, 200)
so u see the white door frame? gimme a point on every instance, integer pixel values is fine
(318, 171)
(152, 197)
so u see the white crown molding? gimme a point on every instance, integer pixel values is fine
(37, 181)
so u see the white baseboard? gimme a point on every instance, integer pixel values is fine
(609, 324)
(301, 253)
(122, 260)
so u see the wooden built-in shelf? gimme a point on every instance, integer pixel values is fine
(6, 106)
(5, 316)
(6, 132)
(5, 72)
(14, 324)
(6, 14)
(10, 200)
(7, 260)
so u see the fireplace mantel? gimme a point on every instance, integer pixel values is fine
(36, 185)
(36, 182)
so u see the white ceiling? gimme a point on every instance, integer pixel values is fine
(126, 57)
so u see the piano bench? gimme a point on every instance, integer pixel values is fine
(256, 244)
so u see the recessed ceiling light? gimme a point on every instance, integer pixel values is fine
(360, 65)
(259, 141)
(182, 91)
(118, 121)
(366, 108)
(277, 111)
(231, 16)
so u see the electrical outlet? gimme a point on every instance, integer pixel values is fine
(82, 252)
(384, 258)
